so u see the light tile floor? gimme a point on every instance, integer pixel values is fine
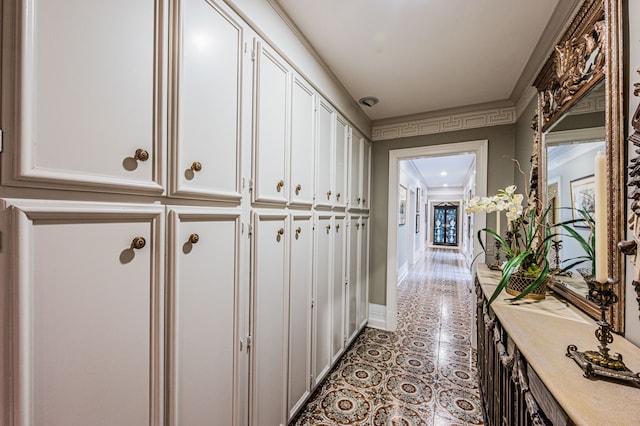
(423, 374)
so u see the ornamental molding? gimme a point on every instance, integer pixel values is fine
(443, 124)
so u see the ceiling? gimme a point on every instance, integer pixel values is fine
(444, 171)
(419, 56)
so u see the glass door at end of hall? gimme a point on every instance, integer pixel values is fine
(445, 224)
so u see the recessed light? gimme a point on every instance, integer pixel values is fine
(445, 185)
(368, 101)
(443, 173)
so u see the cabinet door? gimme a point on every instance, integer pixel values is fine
(87, 305)
(271, 109)
(324, 157)
(338, 291)
(322, 319)
(300, 294)
(90, 100)
(302, 143)
(340, 161)
(269, 320)
(363, 279)
(366, 173)
(353, 271)
(203, 289)
(355, 170)
(205, 140)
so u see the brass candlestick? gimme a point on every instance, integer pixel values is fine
(556, 245)
(496, 266)
(601, 363)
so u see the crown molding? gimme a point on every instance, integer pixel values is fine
(444, 123)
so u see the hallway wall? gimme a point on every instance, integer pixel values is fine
(500, 174)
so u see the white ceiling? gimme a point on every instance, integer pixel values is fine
(446, 171)
(419, 56)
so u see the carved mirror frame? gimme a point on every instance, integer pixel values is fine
(589, 52)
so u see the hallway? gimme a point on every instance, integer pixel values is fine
(423, 374)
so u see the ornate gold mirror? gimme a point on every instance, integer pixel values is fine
(579, 114)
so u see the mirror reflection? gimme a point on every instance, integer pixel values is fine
(571, 146)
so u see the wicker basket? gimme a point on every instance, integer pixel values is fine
(518, 283)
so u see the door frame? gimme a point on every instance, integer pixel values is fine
(481, 150)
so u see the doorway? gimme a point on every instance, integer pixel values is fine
(445, 224)
(480, 149)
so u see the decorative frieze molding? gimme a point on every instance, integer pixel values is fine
(448, 123)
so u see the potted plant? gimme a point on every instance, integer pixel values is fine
(525, 246)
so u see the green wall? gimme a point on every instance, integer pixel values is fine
(500, 174)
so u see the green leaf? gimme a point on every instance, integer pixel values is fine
(535, 284)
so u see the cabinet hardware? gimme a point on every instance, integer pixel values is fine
(280, 185)
(298, 231)
(328, 195)
(338, 196)
(141, 155)
(357, 226)
(363, 225)
(364, 201)
(281, 231)
(196, 166)
(298, 188)
(194, 238)
(328, 228)
(358, 199)
(337, 227)
(138, 243)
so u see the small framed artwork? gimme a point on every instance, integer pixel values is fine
(582, 198)
(402, 213)
(417, 224)
(418, 193)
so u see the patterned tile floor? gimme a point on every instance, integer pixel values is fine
(423, 374)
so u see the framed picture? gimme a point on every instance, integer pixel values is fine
(583, 198)
(417, 224)
(402, 213)
(418, 193)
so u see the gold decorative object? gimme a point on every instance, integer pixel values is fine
(338, 196)
(328, 195)
(600, 363)
(194, 238)
(280, 185)
(138, 243)
(196, 166)
(298, 231)
(518, 283)
(141, 155)
(298, 188)
(337, 227)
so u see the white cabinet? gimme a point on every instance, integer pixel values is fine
(363, 279)
(340, 155)
(203, 290)
(322, 290)
(302, 145)
(90, 101)
(300, 311)
(359, 160)
(354, 271)
(325, 137)
(87, 301)
(207, 65)
(270, 121)
(269, 319)
(338, 296)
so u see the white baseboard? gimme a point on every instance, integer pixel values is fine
(377, 316)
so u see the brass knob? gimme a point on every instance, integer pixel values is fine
(328, 227)
(363, 226)
(364, 201)
(141, 155)
(280, 185)
(357, 226)
(328, 195)
(281, 231)
(338, 196)
(194, 238)
(358, 200)
(138, 243)
(196, 166)
(298, 188)
(298, 230)
(337, 227)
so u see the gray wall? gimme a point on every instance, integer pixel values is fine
(524, 145)
(500, 174)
